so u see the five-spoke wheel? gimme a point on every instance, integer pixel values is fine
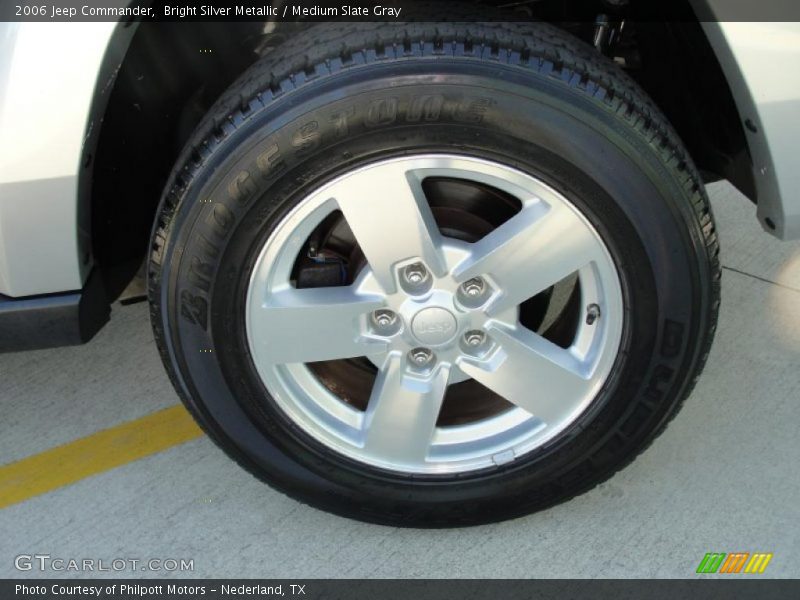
(429, 311)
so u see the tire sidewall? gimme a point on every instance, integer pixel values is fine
(281, 153)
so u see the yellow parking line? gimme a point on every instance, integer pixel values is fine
(94, 454)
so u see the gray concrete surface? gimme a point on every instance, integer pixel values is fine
(723, 477)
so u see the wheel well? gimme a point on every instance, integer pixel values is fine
(173, 72)
(169, 77)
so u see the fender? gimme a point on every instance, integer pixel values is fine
(48, 75)
(759, 60)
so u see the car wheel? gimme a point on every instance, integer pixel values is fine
(434, 274)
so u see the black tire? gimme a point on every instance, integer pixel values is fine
(528, 95)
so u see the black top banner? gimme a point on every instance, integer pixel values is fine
(395, 10)
(344, 589)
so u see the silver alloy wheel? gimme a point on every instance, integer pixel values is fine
(453, 303)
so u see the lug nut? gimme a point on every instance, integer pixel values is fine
(474, 287)
(384, 318)
(421, 356)
(415, 274)
(474, 338)
(385, 322)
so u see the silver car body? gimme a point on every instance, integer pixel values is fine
(46, 98)
(760, 61)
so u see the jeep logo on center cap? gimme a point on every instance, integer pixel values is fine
(434, 326)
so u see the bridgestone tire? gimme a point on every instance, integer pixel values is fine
(341, 96)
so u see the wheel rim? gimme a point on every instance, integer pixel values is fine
(429, 311)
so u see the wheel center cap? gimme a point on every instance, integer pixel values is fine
(434, 326)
